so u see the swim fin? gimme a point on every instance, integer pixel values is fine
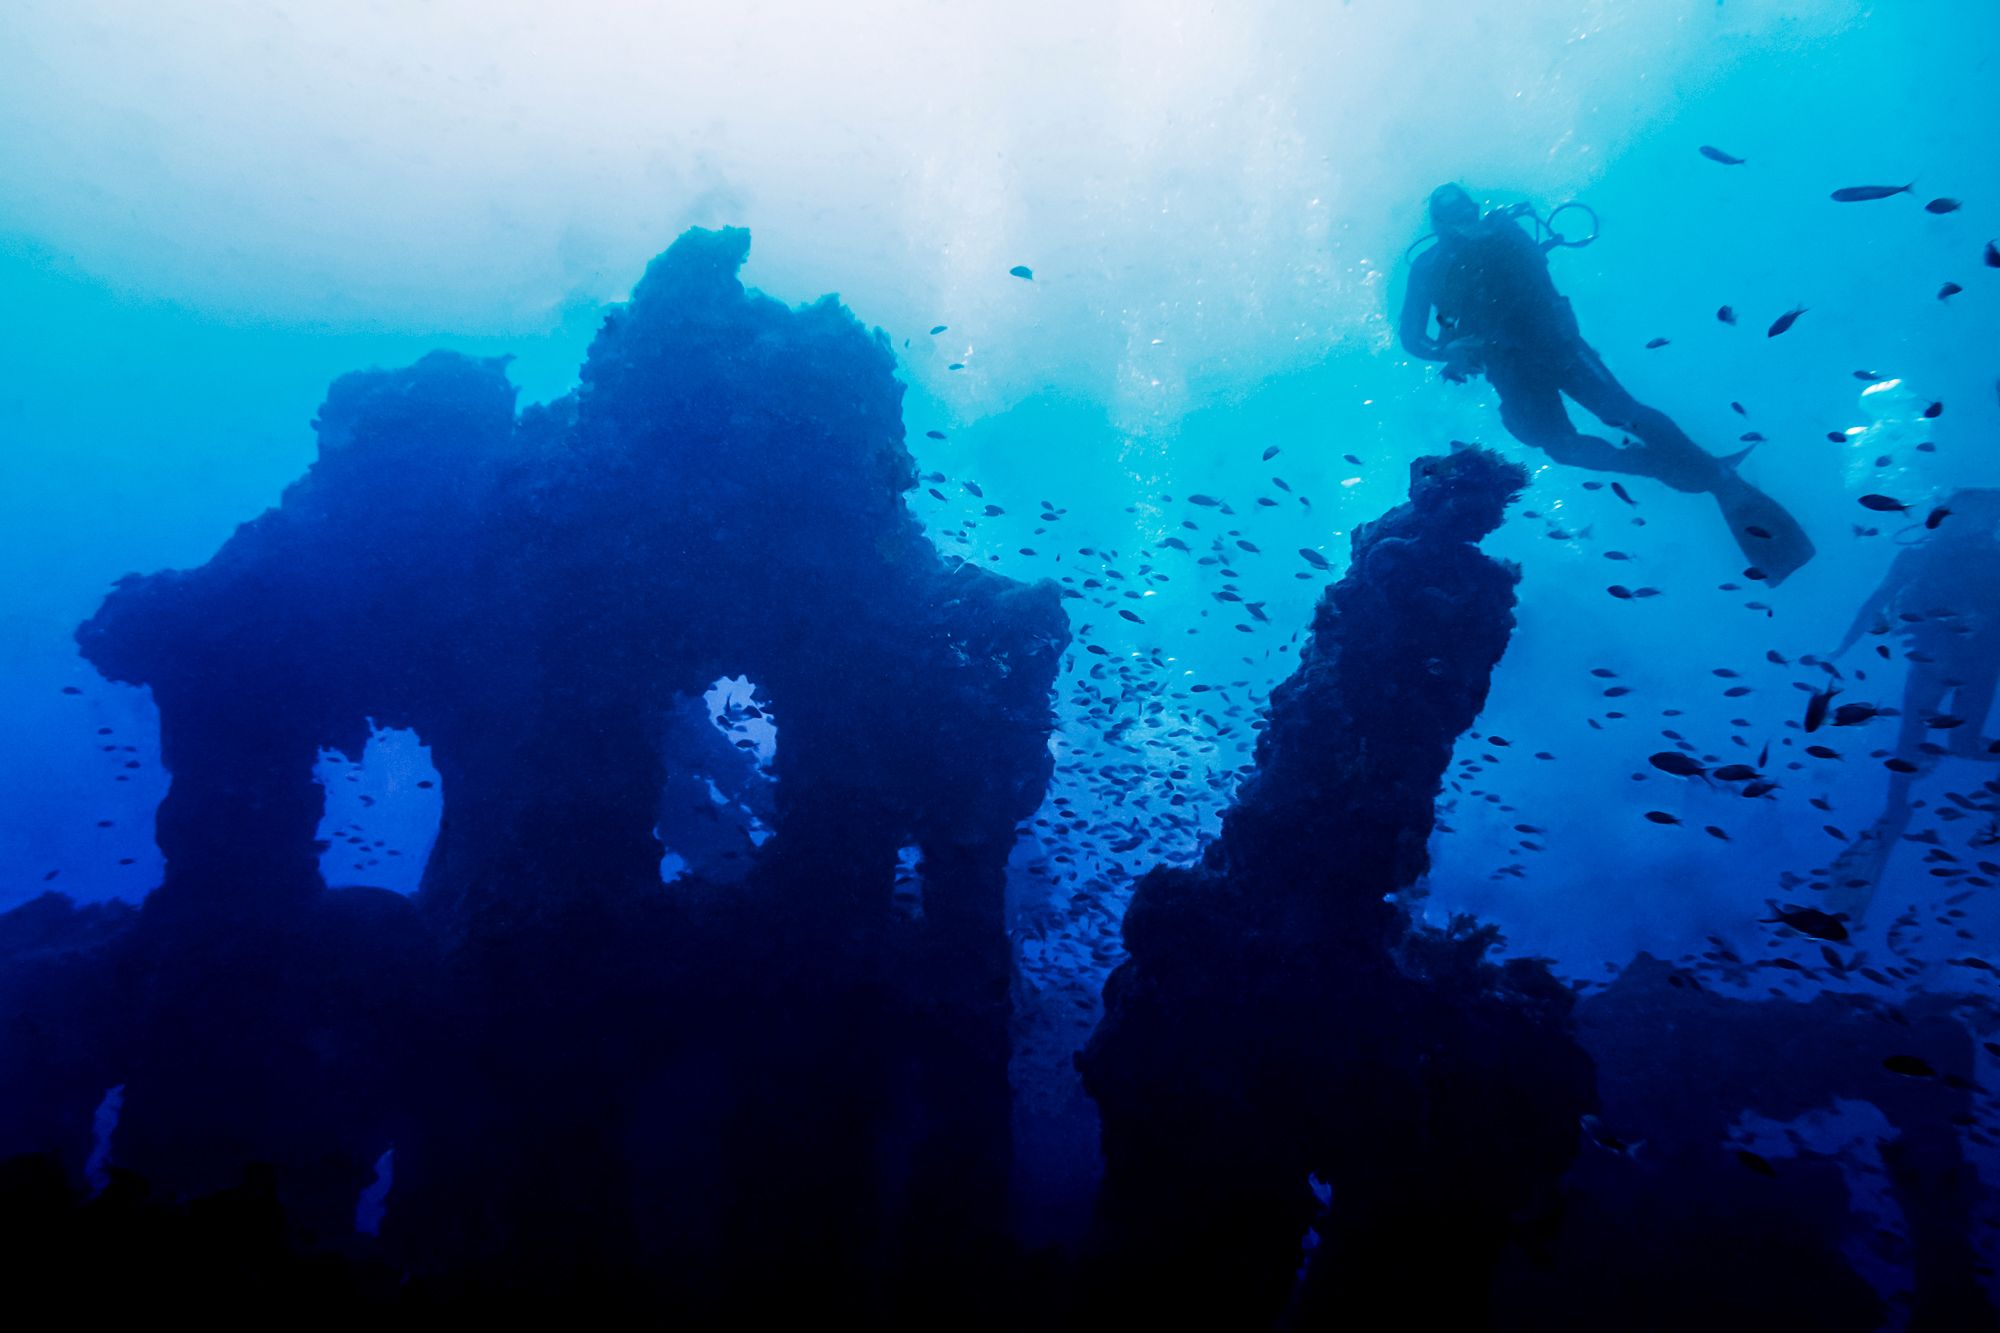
(1769, 537)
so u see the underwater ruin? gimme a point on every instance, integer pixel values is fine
(1346, 683)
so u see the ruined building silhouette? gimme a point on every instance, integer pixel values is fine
(584, 1074)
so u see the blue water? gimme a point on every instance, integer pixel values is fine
(207, 216)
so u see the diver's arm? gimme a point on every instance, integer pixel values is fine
(1415, 325)
(1879, 601)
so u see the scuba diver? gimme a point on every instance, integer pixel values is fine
(1943, 596)
(1498, 314)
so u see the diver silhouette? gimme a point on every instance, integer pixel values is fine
(1943, 596)
(1499, 314)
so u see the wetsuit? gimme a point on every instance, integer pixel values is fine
(1944, 596)
(1490, 283)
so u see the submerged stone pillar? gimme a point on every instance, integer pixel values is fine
(1279, 1019)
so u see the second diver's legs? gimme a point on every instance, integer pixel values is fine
(1972, 700)
(1860, 868)
(1769, 537)
(1858, 872)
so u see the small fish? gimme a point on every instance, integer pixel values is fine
(1937, 516)
(1618, 489)
(1810, 921)
(1727, 314)
(1861, 194)
(1909, 1066)
(1948, 290)
(1270, 453)
(1657, 342)
(1934, 411)
(1816, 708)
(934, 435)
(1714, 832)
(1884, 504)
(1784, 321)
(1738, 408)
(1993, 254)
(1715, 154)
(1022, 271)
(1314, 558)
(1941, 206)
(936, 329)
(1678, 764)
(1662, 817)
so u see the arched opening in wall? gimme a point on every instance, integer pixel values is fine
(382, 812)
(719, 796)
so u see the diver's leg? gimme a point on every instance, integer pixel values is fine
(1973, 701)
(1859, 870)
(1531, 408)
(1769, 537)
(1668, 454)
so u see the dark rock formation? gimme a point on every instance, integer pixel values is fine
(1279, 1019)
(585, 1073)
